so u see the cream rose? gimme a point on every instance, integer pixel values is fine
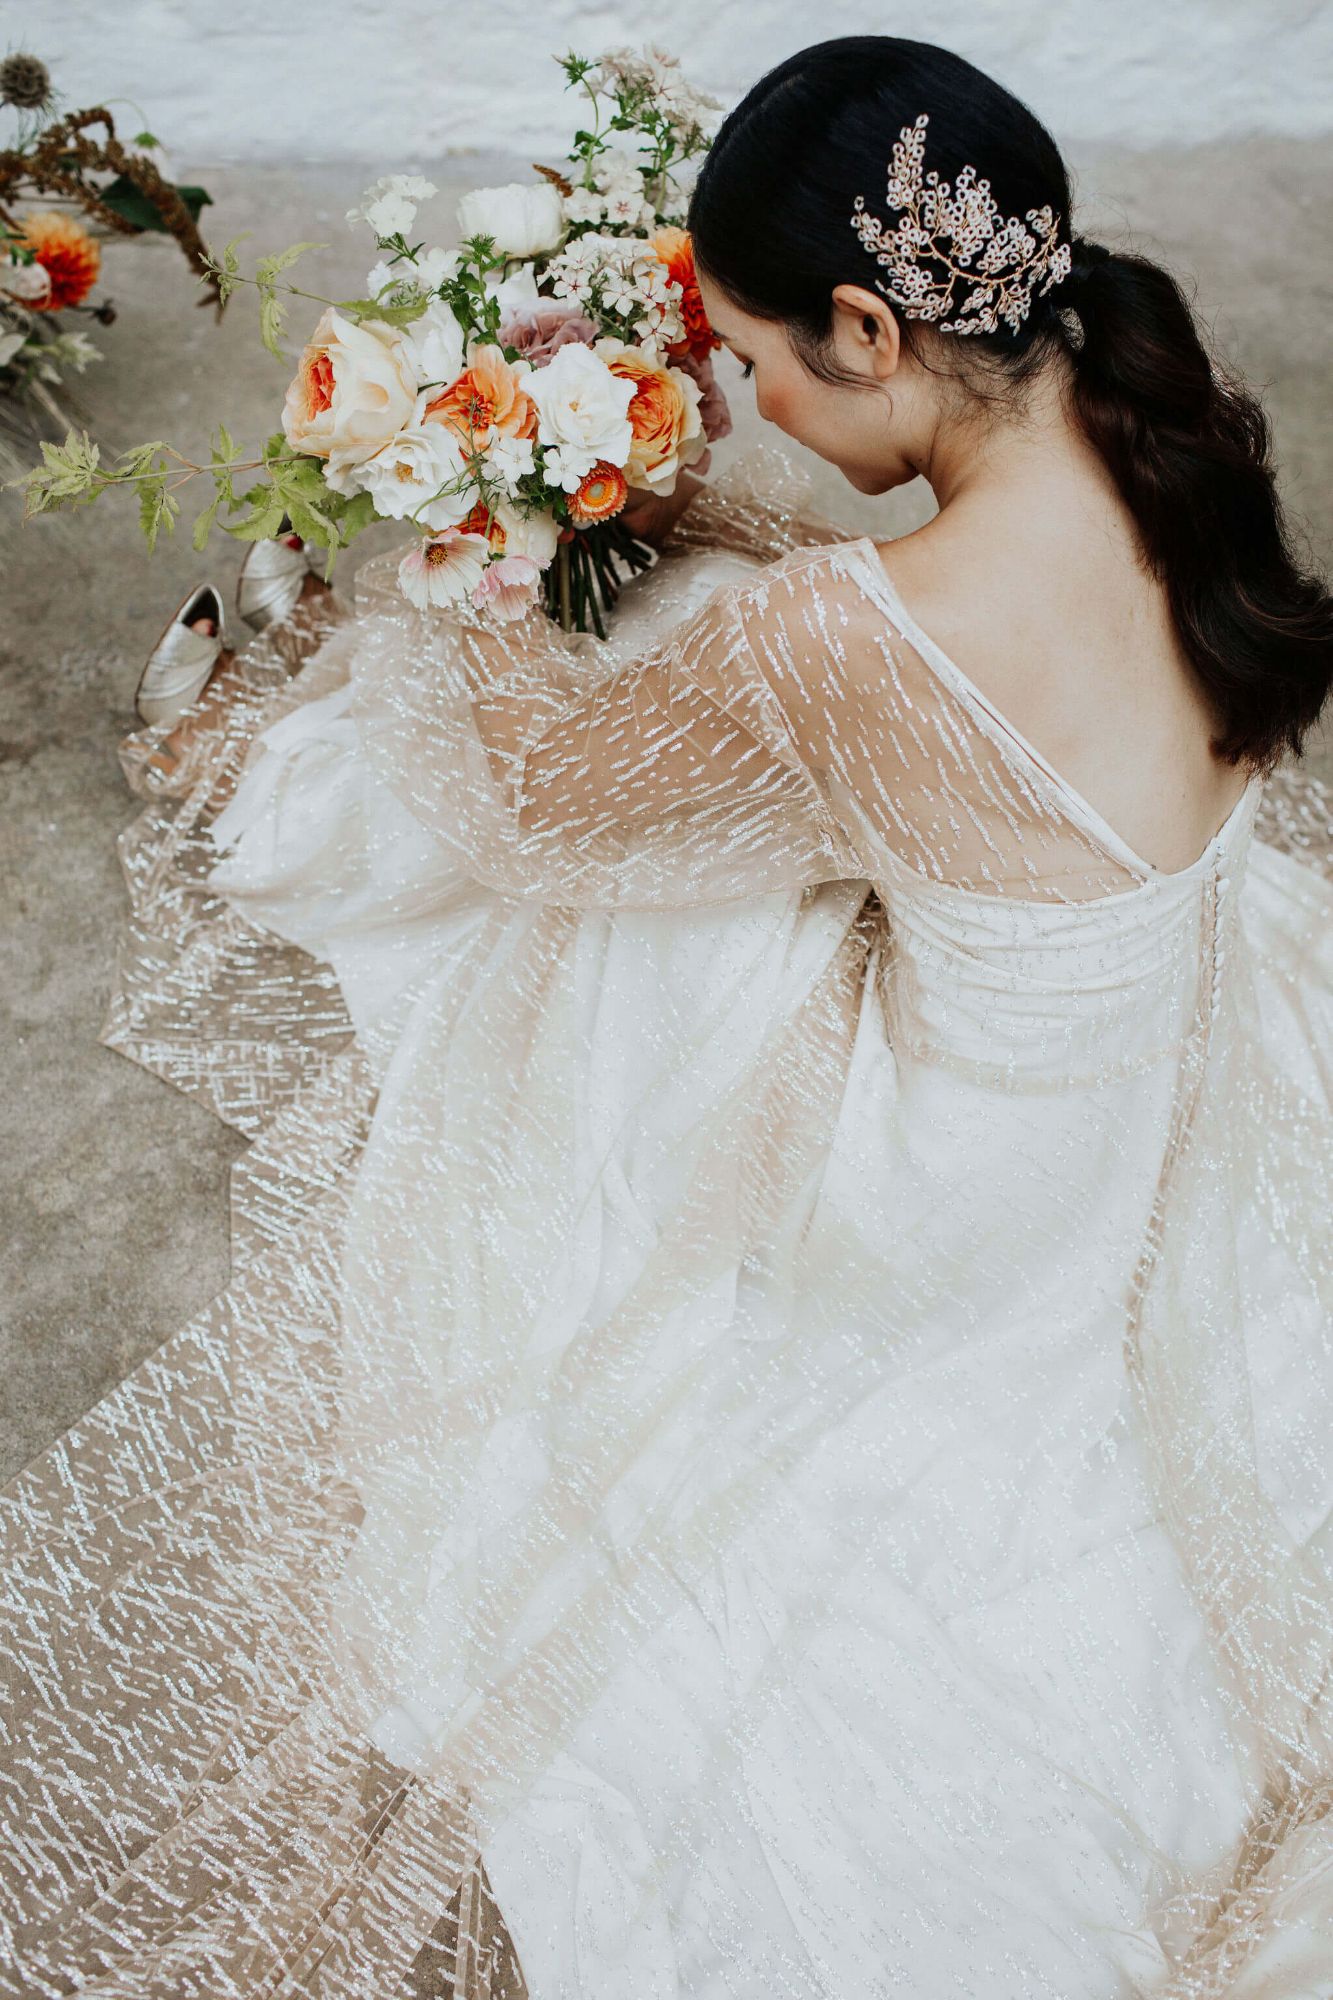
(355, 387)
(524, 217)
(664, 417)
(582, 413)
(403, 478)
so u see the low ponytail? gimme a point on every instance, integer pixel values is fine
(1189, 448)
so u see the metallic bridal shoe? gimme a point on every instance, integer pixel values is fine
(177, 670)
(272, 576)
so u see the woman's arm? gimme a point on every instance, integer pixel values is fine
(668, 780)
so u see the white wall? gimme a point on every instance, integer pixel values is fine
(401, 81)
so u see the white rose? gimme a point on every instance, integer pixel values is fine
(582, 411)
(409, 469)
(534, 535)
(354, 387)
(524, 217)
(435, 345)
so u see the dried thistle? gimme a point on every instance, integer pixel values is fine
(25, 82)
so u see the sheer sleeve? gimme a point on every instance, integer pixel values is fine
(665, 779)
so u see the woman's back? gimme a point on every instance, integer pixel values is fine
(1048, 609)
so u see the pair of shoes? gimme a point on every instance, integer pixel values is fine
(178, 668)
(181, 663)
(273, 575)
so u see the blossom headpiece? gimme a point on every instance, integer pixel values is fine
(1002, 261)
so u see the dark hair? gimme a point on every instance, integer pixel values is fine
(1187, 443)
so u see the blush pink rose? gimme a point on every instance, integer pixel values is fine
(538, 331)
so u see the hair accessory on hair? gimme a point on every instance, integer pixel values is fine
(1011, 261)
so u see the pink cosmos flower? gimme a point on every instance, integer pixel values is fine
(509, 586)
(444, 569)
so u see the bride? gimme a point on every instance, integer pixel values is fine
(768, 1435)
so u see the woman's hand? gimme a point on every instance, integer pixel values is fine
(651, 516)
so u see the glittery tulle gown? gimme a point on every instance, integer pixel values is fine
(769, 1434)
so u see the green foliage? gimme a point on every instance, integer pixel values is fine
(394, 315)
(476, 310)
(272, 309)
(228, 272)
(122, 196)
(66, 477)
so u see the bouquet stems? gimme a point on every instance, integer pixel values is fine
(562, 560)
(584, 581)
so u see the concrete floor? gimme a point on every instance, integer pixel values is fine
(113, 1216)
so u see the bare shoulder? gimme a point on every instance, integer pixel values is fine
(973, 599)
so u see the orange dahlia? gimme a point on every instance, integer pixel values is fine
(600, 494)
(70, 256)
(676, 251)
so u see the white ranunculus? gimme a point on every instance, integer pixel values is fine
(435, 345)
(410, 468)
(534, 535)
(390, 206)
(524, 217)
(582, 411)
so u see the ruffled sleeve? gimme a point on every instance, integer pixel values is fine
(556, 768)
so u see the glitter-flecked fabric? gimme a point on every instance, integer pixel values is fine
(769, 1436)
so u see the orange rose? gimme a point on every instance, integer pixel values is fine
(667, 431)
(488, 396)
(676, 251)
(71, 257)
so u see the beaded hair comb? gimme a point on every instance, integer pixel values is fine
(1013, 261)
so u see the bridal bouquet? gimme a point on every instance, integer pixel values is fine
(507, 398)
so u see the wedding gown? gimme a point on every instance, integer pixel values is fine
(769, 1432)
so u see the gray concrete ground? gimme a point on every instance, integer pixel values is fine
(113, 1217)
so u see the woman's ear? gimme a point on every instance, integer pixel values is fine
(866, 329)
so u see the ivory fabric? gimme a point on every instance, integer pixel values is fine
(769, 1435)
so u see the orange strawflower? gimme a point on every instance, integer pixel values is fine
(600, 494)
(70, 256)
(676, 251)
(487, 396)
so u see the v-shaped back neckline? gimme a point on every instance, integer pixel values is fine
(1079, 806)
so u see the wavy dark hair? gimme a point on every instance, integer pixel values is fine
(1188, 444)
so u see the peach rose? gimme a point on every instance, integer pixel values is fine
(488, 396)
(663, 414)
(353, 391)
